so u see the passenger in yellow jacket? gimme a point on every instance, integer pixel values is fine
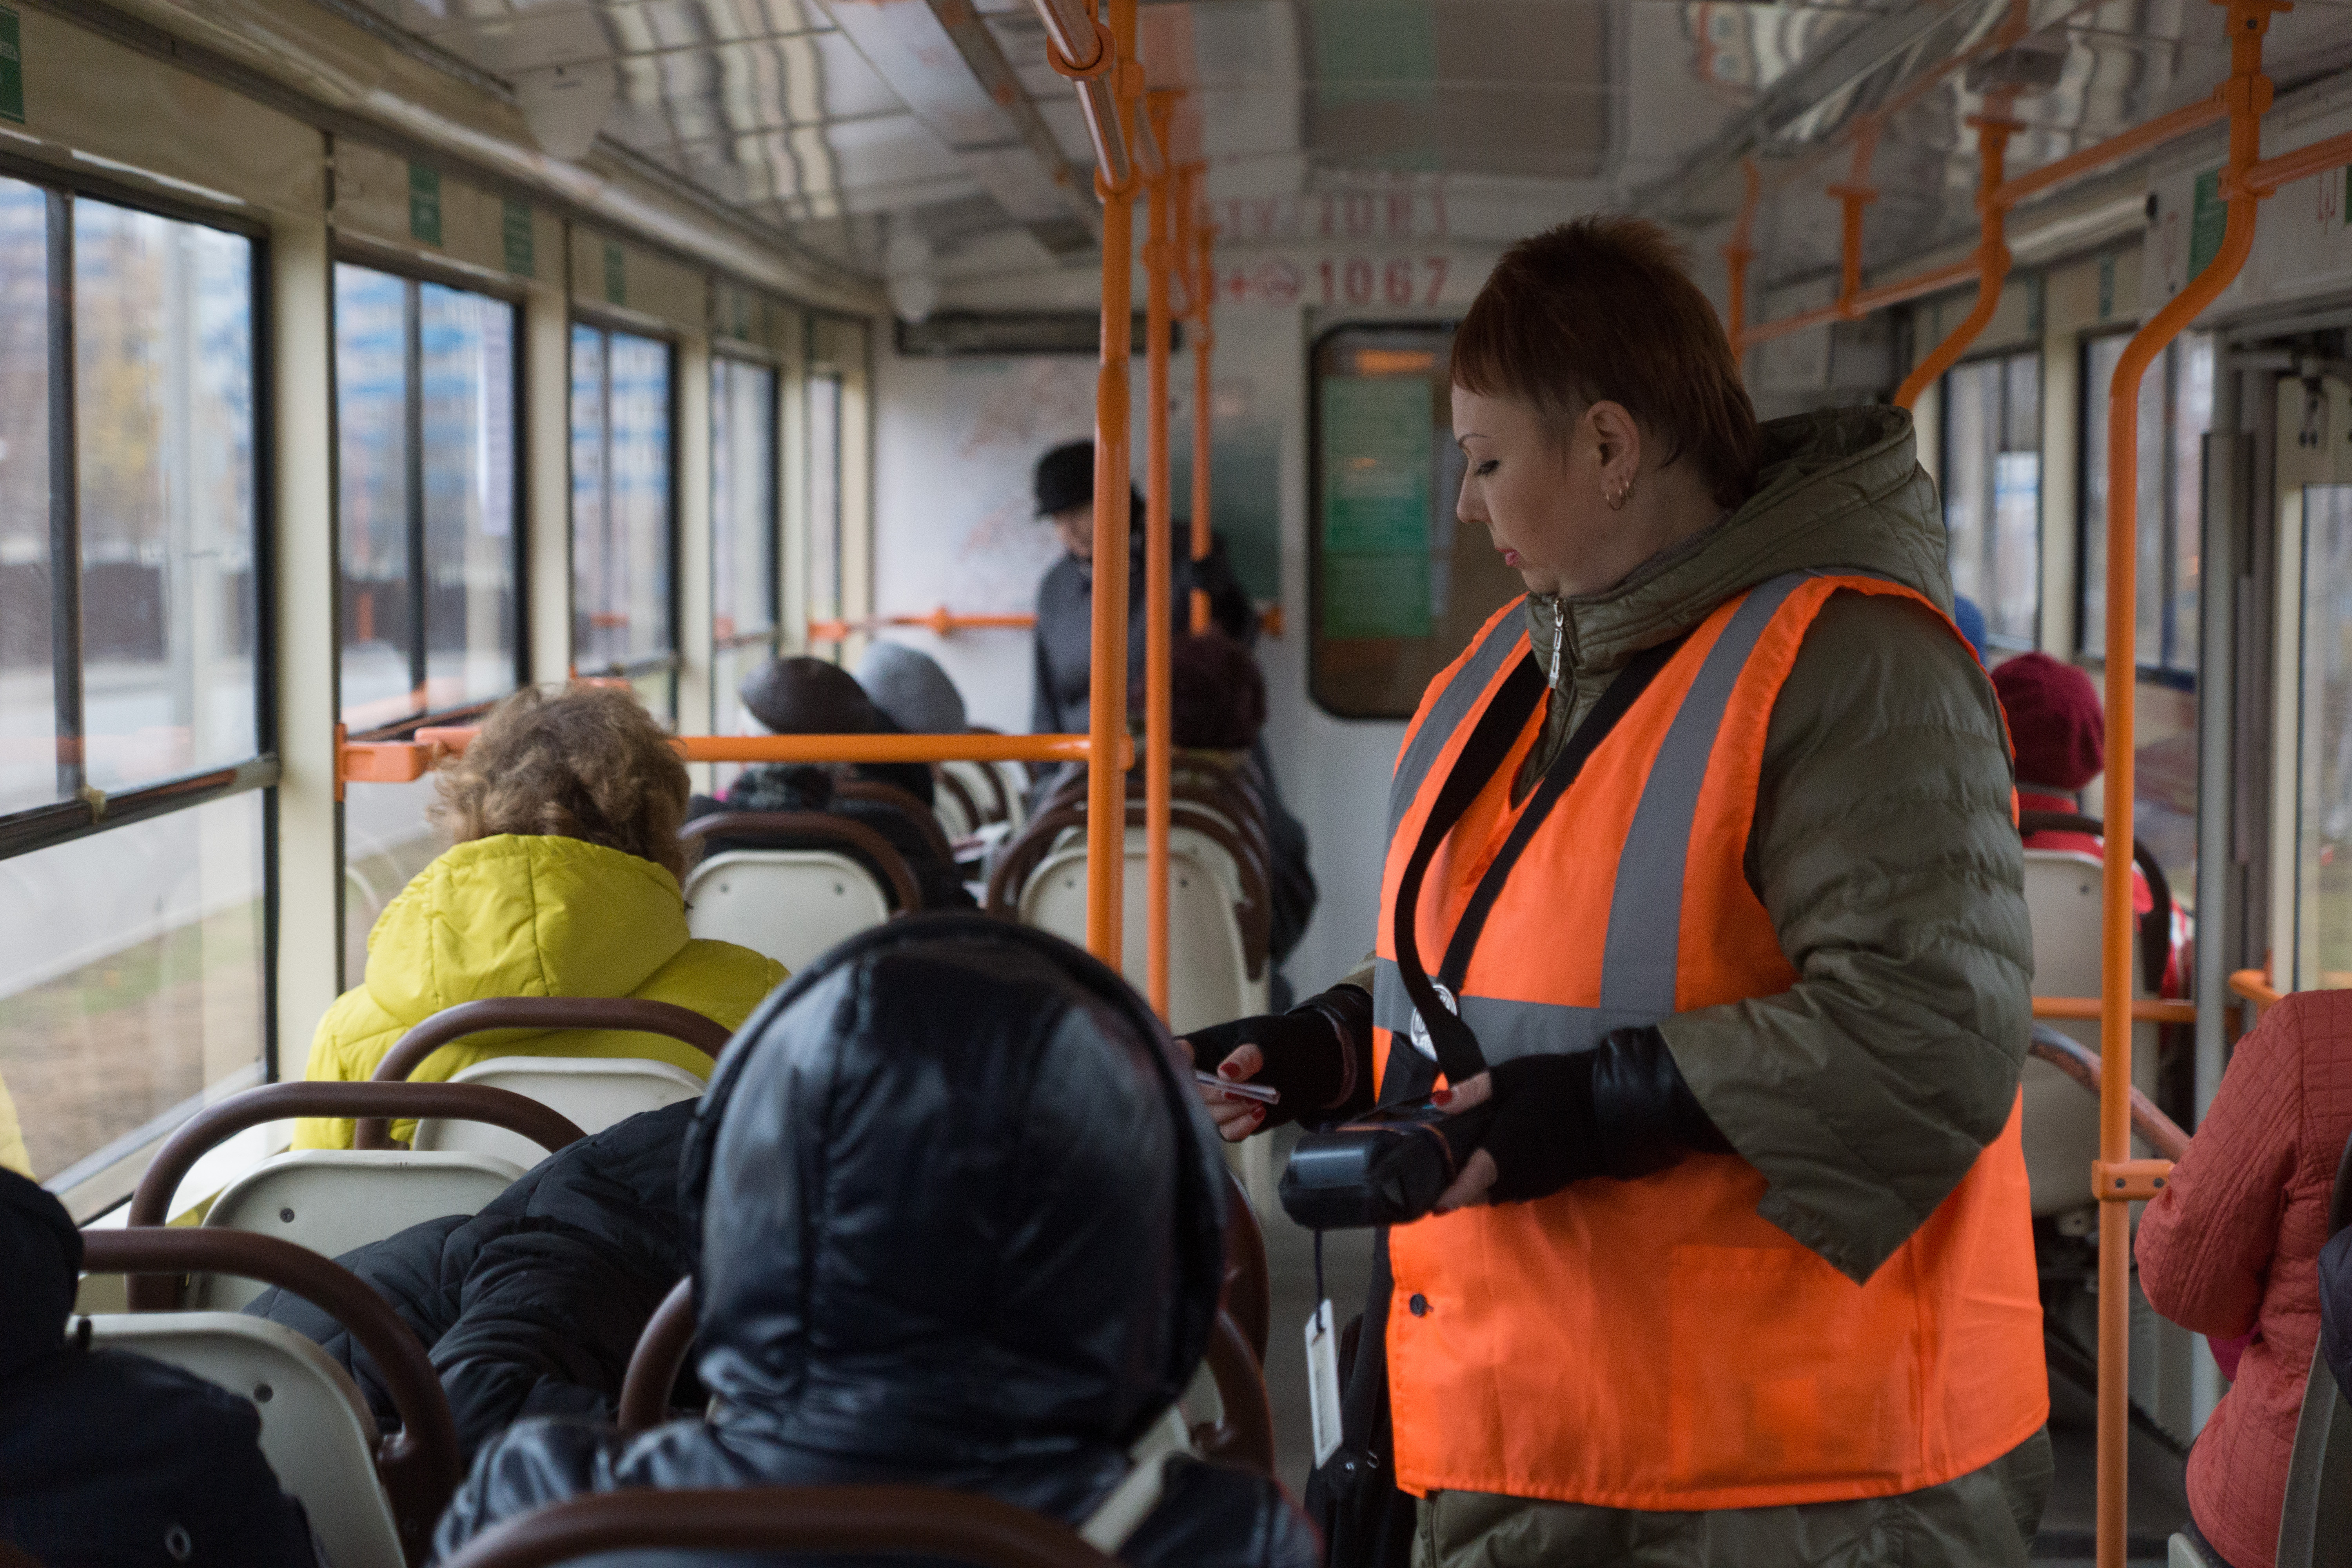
(563, 880)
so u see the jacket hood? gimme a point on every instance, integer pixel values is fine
(1839, 490)
(40, 1255)
(960, 1210)
(515, 915)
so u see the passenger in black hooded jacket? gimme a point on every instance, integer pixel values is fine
(962, 1226)
(109, 1459)
(532, 1306)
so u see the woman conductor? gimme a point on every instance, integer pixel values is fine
(1703, 851)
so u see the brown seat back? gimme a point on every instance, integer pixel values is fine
(1026, 852)
(844, 1521)
(926, 820)
(418, 1464)
(620, 1014)
(654, 1366)
(802, 827)
(373, 1103)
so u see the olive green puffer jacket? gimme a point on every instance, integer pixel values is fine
(1882, 845)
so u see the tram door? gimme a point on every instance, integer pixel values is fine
(2311, 808)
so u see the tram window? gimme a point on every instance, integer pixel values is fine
(743, 524)
(824, 542)
(425, 403)
(1992, 492)
(164, 475)
(28, 717)
(2175, 406)
(132, 982)
(131, 957)
(624, 522)
(2323, 860)
(1397, 585)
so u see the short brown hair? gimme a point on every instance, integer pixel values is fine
(1603, 308)
(585, 761)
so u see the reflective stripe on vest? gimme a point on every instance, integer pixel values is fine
(1637, 975)
(1655, 1345)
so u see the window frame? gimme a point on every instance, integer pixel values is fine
(2086, 648)
(1945, 456)
(413, 271)
(813, 371)
(90, 811)
(671, 661)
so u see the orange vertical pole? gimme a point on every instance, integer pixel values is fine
(1204, 342)
(1106, 686)
(1158, 547)
(1737, 255)
(1994, 127)
(2116, 1179)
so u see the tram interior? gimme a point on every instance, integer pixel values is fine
(362, 362)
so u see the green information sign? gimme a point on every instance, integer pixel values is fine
(1376, 596)
(12, 70)
(617, 274)
(515, 231)
(1376, 465)
(2208, 216)
(424, 204)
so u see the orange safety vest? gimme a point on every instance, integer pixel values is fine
(1655, 1344)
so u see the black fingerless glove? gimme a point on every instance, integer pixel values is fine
(1621, 1110)
(1317, 1054)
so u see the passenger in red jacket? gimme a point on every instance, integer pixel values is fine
(2059, 734)
(2232, 1244)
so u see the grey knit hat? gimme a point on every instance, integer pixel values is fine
(910, 687)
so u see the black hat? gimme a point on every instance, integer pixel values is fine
(1065, 477)
(803, 696)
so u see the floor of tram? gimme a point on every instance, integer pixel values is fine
(2158, 1506)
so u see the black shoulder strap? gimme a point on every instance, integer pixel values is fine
(1498, 728)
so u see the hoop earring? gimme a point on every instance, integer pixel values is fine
(1624, 493)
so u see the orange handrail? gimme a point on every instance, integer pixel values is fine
(2145, 1010)
(2255, 986)
(1737, 251)
(2117, 1178)
(1105, 787)
(941, 621)
(2320, 158)
(1994, 127)
(1157, 543)
(405, 761)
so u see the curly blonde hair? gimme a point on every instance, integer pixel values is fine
(585, 762)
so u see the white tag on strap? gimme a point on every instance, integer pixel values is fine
(1323, 1382)
(1129, 1502)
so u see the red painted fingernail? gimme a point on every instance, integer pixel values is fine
(1443, 1097)
(1225, 1070)
(1258, 1114)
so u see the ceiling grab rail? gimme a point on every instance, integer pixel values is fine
(1107, 692)
(1080, 47)
(2116, 1179)
(940, 622)
(1157, 545)
(1994, 127)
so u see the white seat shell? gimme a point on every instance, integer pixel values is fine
(316, 1430)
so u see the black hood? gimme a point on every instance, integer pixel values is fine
(959, 1204)
(40, 1255)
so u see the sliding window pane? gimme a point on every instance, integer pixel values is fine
(2099, 359)
(1992, 495)
(742, 499)
(824, 589)
(163, 388)
(621, 520)
(132, 980)
(467, 355)
(29, 715)
(379, 684)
